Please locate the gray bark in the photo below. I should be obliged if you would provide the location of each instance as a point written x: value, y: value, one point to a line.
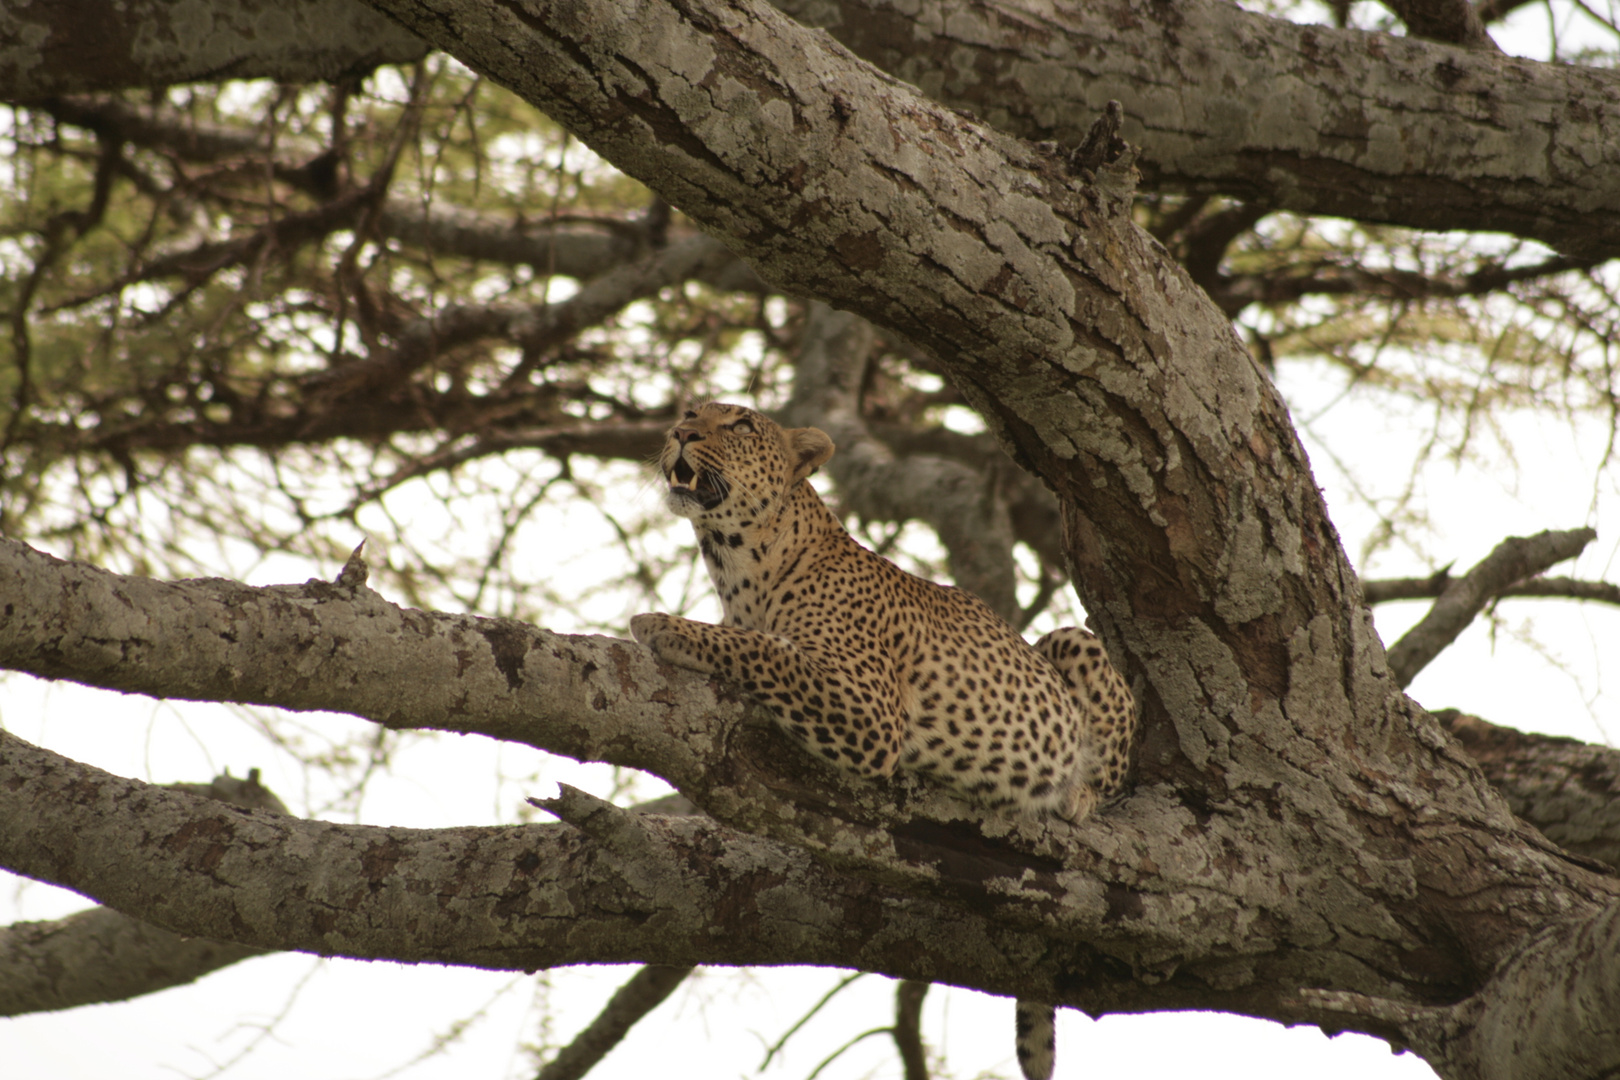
x: 1151, y: 906
x: 1196, y: 532
x: 1569, y: 790
x: 100, y: 955
x: 608, y: 886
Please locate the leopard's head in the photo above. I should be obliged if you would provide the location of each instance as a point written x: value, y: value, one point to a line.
x: 729, y: 461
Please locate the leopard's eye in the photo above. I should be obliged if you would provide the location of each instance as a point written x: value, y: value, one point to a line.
x: 743, y: 427
x: 691, y: 414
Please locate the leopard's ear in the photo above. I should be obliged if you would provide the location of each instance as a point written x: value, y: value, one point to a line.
x: 809, y: 449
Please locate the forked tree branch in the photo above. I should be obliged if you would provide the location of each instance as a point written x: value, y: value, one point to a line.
x: 102, y: 955
x: 1513, y: 560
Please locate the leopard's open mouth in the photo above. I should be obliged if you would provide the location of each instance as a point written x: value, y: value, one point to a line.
x: 703, y: 486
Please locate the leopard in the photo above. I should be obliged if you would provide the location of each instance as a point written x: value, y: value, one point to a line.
x: 872, y: 668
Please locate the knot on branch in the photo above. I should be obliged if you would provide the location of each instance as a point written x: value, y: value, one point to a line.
x: 1102, y: 144
x: 249, y: 794
x: 614, y: 827
x: 355, y: 571
x: 1106, y: 161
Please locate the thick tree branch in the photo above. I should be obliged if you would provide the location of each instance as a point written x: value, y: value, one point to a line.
x: 1550, y: 1010
x: 1400, y: 130
x: 1569, y: 790
x: 1513, y: 560
x: 1195, y: 530
x: 1008, y: 270
x: 87, y: 45
x: 100, y: 955
x: 592, y: 699
x: 1427, y: 143
x: 338, y: 647
x: 625, y: 887
x: 611, y: 886
x: 293, y: 646
x: 1297, y: 821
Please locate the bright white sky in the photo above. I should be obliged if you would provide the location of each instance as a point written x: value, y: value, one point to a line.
x: 300, y: 1016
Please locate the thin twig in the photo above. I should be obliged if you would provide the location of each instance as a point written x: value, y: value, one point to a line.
x: 908, y: 999
x: 1561, y: 588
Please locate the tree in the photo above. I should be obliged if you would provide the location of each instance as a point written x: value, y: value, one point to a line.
x: 1303, y: 841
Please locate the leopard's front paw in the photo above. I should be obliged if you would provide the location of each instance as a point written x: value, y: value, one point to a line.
x: 662, y: 635
x: 644, y: 628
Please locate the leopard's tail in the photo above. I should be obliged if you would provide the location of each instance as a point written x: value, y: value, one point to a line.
x: 1035, y: 1023
x: 1104, y: 700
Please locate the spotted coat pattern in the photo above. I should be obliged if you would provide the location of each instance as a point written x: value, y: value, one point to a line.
x: 870, y: 667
